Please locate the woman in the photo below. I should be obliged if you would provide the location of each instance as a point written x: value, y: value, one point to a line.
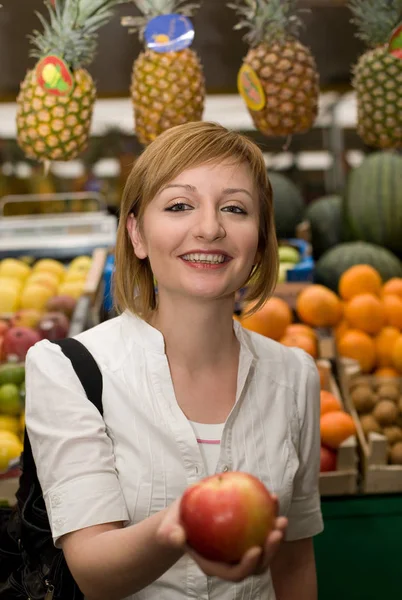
x: 178, y: 372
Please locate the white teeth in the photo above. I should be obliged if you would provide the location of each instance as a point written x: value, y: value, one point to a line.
x: 204, y: 258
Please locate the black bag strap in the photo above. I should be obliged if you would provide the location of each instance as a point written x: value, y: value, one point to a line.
x: 90, y: 376
x: 86, y: 369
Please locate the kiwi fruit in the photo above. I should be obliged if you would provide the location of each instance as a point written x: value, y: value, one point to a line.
x: 359, y: 381
x: 369, y: 424
x: 396, y: 454
x: 385, y: 412
x: 388, y: 391
x: 393, y: 433
x: 363, y: 399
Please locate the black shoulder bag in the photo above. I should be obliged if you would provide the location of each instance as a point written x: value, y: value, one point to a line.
x: 30, y: 565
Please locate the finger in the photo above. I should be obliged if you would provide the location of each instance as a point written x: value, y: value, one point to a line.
x: 276, y: 502
x: 272, y: 545
x: 171, y: 535
x: 247, y: 566
x: 281, y: 524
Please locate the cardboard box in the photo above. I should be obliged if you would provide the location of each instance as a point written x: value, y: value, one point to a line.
x: 378, y: 476
x: 343, y: 481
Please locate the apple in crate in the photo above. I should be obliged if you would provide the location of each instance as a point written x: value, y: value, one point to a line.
x: 226, y: 514
x: 328, y: 459
x: 53, y: 326
x: 18, y: 340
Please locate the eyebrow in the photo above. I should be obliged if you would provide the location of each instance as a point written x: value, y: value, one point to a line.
x: 193, y: 189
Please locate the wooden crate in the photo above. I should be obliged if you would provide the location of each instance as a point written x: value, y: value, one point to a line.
x: 378, y: 476
x: 343, y: 481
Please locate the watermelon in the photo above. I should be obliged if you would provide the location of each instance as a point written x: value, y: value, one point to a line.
x: 288, y: 205
x: 325, y: 218
x: 338, y: 259
x: 373, y: 200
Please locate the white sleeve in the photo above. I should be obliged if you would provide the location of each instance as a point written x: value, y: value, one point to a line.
x: 72, y: 451
x: 305, y: 519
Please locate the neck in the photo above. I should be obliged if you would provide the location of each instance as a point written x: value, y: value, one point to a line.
x: 198, y: 335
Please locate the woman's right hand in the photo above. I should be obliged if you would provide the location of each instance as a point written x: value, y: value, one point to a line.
x: 255, y: 561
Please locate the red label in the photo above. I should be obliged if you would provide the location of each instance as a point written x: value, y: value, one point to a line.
x: 54, y: 76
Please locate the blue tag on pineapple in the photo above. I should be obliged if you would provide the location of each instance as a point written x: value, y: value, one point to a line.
x: 169, y: 33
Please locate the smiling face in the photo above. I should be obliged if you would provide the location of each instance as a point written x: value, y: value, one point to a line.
x: 200, y: 232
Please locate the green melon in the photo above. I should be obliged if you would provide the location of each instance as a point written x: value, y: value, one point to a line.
x: 288, y: 205
x: 373, y: 202
x: 338, y: 259
x: 325, y: 218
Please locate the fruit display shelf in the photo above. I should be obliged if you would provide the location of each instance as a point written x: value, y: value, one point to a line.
x: 343, y: 481
x: 380, y: 441
x: 61, y: 233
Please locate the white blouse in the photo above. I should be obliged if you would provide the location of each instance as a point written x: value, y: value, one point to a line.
x: 144, y: 453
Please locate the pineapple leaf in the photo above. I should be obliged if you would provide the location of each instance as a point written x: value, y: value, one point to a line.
x: 375, y: 19
x: 71, y: 30
x: 267, y: 20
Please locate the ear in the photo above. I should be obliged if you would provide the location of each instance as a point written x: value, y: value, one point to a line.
x: 136, y: 238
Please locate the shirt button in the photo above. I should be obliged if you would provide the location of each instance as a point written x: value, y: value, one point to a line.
x: 197, y: 469
x: 225, y: 469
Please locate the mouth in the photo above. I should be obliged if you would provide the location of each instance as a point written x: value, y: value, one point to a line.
x: 206, y: 258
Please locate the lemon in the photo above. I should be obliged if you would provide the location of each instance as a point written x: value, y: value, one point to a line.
x: 9, y: 449
x: 12, y: 282
x: 9, y: 299
x: 45, y: 278
x: 75, y: 275
x: 71, y: 288
x: 16, y: 269
x: 10, y: 424
x: 81, y: 263
x: 50, y: 265
x: 35, y: 295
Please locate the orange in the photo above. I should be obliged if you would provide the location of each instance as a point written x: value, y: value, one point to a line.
x: 359, y: 346
x: 271, y: 320
x: 365, y: 312
x: 318, y: 306
x: 301, y: 328
x: 335, y: 428
x: 397, y: 354
x: 329, y: 403
x: 300, y: 341
x: 393, y: 286
x: 384, y: 343
x: 359, y: 279
x: 386, y: 372
x: 393, y: 310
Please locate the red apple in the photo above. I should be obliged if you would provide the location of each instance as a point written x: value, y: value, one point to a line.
x: 327, y: 459
x: 4, y: 325
x: 64, y: 304
x: 226, y: 514
x: 18, y: 340
x: 53, y: 326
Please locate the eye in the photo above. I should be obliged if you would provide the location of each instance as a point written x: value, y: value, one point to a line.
x: 234, y: 209
x: 178, y: 207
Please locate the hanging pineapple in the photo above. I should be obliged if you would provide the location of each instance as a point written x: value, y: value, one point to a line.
x: 378, y: 73
x: 167, y: 85
x: 56, y: 98
x: 278, y: 80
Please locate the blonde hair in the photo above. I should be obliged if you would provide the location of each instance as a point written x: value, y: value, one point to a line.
x: 177, y: 149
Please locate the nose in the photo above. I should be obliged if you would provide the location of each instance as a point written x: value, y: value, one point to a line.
x: 209, y: 224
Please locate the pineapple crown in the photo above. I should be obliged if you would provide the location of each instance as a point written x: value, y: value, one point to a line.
x: 71, y: 31
x: 154, y: 8
x: 267, y: 20
x: 375, y: 19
